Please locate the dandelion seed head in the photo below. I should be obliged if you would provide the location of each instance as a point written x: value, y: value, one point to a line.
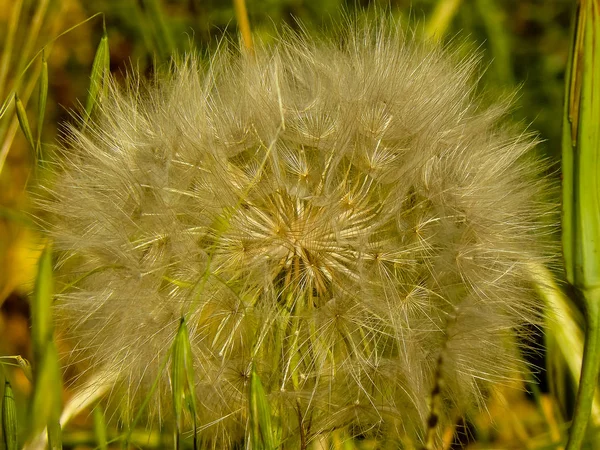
x: 339, y: 215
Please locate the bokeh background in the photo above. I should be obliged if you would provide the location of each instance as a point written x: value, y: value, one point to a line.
x: 523, y: 44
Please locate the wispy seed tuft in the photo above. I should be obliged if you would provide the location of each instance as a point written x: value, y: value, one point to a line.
x: 332, y: 218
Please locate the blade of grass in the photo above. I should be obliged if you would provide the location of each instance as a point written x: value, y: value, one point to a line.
x: 33, y: 31
x: 7, y: 99
x: 52, y: 390
x: 178, y: 380
x: 8, y: 128
x: 261, y: 429
x: 23, y: 121
x: 494, y: 21
x: 164, y: 40
x: 46, y: 399
x: 42, y: 98
x: 9, y: 418
x: 99, y: 75
x: 94, y: 389
x: 144, y: 28
x: 140, y: 439
x: 569, y: 142
x: 7, y: 52
x: 441, y: 17
x: 182, y: 378
x: 562, y: 326
x: 241, y: 15
x: 581, y: 198
x: 41, y: 319
x: 45, y: 406
x: 100, y: 428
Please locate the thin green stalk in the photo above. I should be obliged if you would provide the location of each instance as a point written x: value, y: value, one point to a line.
x: 589, y: 371
x: 7, y: 102
x: 182, y: 382
x: 100, y: 428
x: 7, y: 52
x: 99, y: 75
x: 164, y: 39
x: 8, y: 130
x: 581, y: 197
x: 442, y: 16
x: 32, y: 34
x: 46, y: 399
x: 241, y: 15
x: 23, y: 121
x: 33, y: 29
x: 9, y: 418
x: 42, y: 98
x: 499, y: 40
x: 564, y: 335
x: 144, y: 27
x: 142, y: 438
x: 261, y: 429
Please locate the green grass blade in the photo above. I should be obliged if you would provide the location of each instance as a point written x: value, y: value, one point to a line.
x: 46, y: 402
x: 54, y: 430
x: 569, y: 141
x: 261, y: 429
x: 589, y: 373
x: 42, y: 98
x: 165, y: 41
x: 33, y: 31
x: 46, y: 399
x: 4, y: 107
x: 178, y: 380
x: 441, y: 18
x: 42, y: 402
x: 9, y: 418
x: 41, y: 316
x: 563, y: 328
x: 100, y: 428
x: 7, y: 51
x: 581, y: 199
x: 241, y: 15
x: 182, y: 376
x: 144, y: 27
x: 99, y: 75
x: 499, y: 40
x: 587, y: 156
x: 23, y: 121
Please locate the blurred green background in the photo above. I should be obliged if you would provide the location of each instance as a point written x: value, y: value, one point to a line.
x: 523, y: 46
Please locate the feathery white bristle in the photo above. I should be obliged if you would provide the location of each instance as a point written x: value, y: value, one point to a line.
x: 340, y: 215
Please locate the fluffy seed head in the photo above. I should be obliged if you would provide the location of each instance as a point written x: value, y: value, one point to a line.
x: 343, y: 215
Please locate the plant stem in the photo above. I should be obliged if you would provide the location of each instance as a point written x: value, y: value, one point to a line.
x: 589, y: 371
x: 241, y: 14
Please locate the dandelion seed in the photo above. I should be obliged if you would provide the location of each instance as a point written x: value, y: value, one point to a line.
x: 335, y: 218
